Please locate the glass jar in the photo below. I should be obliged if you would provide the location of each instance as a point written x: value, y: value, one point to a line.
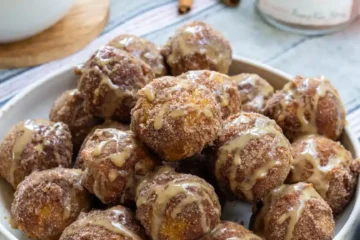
x: 309, y: 17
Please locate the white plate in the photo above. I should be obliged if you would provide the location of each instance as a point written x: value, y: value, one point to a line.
x: 36, y: 101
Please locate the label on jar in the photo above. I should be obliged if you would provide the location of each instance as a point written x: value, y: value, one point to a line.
x: 308, y: 12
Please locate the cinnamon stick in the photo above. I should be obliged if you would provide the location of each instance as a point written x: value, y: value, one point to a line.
x: 185, y: 6
x: 231, y: 3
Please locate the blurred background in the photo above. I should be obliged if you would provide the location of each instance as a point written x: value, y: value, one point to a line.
x: 336, y: 55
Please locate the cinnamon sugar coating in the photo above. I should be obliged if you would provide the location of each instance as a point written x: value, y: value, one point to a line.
x: 110, y: 80
x: 252, y: 156
x: 79, y: 162
x: 197, y: 46
x: 254, y: 91
x: 172, y: 205
x: 34, y: 145
x: 142, y: 49
x: 176, y: 117
x: 69, y: 108
x: 116, y: 223
x: 328, y: 166
x: 46, y: 202
x: 114, y: 162
x: 307, y: 106
x: 293, y: 212
x: 230, y: 230
x: 222, y: 86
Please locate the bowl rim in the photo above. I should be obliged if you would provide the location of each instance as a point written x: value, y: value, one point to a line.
x: 342, y: 234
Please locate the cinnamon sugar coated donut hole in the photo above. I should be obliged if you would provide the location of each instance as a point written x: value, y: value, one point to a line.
x: 176, y: 117
x: 230, y: 231
x: 46, y: 202
x: 328, y: 166
x: 307, y: 106
x: 116, y: 223
x: 69, y: 108
x: 114, y: 162
x: 252, y: 156
x: 142, y: 49
x: 79, y: 163
x: 34, y: 145
x: 222, y: 86
x: 294, y: 212
x: 254, y: 91
x: 172, y: 205
x: 110, y: 80
x: 197, y: 46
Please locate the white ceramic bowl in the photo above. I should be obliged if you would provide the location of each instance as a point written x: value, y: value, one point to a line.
x: 23, y: 18
x: 36, y: 101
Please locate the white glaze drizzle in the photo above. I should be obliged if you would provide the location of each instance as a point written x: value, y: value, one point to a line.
x: 193, y: 39
x: 292, y: 214
x: 27, y: 131
x: 235, y: 146
x: 115, y: 223
x: 321, y: 175
x: 165, y: 102
x: 166, y: 192
x: 259, y: 91
x: 118, y: 157
x: 306, y: 111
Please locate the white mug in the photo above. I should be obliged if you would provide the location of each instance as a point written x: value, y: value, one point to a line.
x: 20, y: 19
